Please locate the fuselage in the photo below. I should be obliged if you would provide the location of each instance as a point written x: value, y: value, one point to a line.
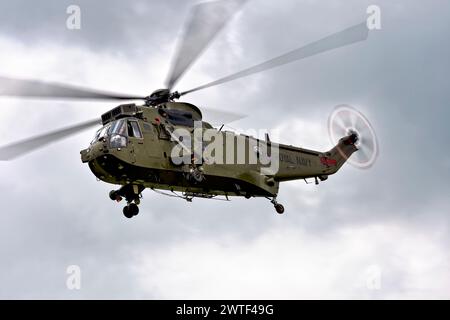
x: 145, y: 146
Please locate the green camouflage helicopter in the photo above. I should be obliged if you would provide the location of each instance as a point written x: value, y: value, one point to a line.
x: 161, y: 144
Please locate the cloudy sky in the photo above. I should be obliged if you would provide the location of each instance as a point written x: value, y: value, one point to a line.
x: 378, y: 233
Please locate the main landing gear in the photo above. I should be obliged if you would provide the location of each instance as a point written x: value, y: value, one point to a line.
x: 132, y: 194
x: 278, y: 206
x: 130, y: 210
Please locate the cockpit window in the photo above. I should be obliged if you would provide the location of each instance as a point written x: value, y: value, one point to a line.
x: 96, y: 136
x: 118, y: 127
x: 134, y: 130
x: 102, y: 132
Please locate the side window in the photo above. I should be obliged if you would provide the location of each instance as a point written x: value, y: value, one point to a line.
x: 134, y: 130
x: 178, y: 117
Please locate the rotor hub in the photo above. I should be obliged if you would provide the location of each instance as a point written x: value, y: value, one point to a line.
x: 160, y: 96
x: 353, y: 136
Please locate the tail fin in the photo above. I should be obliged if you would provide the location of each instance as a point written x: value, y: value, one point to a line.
x: 341, y: 152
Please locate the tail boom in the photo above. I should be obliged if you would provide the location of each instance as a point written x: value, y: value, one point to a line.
x: 297, y: 163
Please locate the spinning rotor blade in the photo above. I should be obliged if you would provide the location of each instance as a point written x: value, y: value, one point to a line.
x: 39, y: 89
x: 345, y: 120
x: 343, y: 38
x: 205, y: 21
x: 219, y: 117
x: 22, y: 147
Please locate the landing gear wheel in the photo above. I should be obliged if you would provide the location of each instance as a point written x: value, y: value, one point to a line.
x: 113, y: 195
x: 279, y: 208
x: 133, y: 208
x: 197, y: 175
x: 127, y: 212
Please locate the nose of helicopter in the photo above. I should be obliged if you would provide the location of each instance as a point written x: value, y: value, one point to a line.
x: 85, y: 155
x: 95, y: 150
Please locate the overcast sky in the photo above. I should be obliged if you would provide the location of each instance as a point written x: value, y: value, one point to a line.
x: 390, y: 222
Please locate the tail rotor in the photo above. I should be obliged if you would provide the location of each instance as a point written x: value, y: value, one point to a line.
x: 347, y: 121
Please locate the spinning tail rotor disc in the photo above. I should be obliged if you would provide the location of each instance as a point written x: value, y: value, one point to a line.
x: 346, y: 120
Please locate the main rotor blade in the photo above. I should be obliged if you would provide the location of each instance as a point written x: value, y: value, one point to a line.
x: 23, y: 147
x: 219, y: 117
x: 204, y: 23
x: 348, y: 36
x: 40, y: 89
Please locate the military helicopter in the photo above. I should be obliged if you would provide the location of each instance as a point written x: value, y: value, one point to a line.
x: 134, y: 147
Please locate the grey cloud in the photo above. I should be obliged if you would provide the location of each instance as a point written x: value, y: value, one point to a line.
x: 105, y: 25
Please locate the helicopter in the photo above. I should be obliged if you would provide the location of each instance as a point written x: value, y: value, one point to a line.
x: 160, y: 144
